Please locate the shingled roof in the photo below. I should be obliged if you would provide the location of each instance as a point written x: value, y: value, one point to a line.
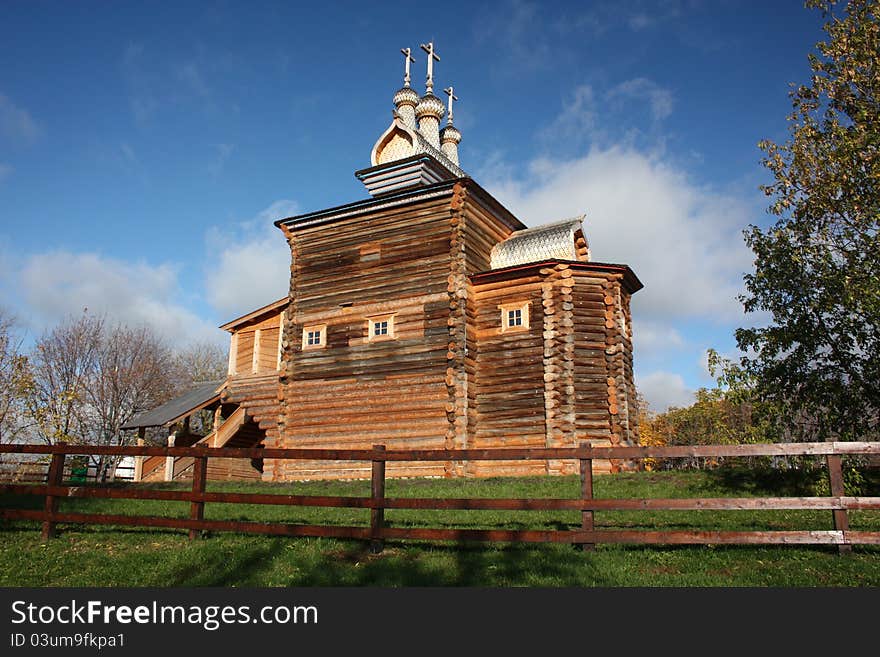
x: 201, y: 395
x: 554, y: 241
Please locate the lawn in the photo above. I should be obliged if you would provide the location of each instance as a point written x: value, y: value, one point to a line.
x: 109, y: 556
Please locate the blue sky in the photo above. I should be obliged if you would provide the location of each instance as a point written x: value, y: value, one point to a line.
x: 146, y: 148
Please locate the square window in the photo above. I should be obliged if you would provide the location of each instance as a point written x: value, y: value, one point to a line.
x: 314, y: 337
x: 514, y: 316
x: 380, y: 327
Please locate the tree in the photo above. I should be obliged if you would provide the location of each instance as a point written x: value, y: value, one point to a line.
x: 201, y: 361
x: 87, y: 379
x: 816, y: 267
x: 60, y: 367
x: 131, y: 372
x: 13, y: 377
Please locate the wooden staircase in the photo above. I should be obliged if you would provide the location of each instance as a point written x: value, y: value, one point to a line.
x: 258, y: 396
x: 221, y: 436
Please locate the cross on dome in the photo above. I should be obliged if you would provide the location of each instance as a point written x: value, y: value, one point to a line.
x: 429, y: 48
x: 407, y: 58
x: 449, y: 91
x: 415, y: 131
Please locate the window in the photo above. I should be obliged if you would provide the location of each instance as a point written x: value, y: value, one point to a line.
x: 380, y: 327
x: 314, y: 337
x: 514, y: 316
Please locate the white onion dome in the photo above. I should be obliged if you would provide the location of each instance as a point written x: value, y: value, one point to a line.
x: 450, y: 134
x: 406, y: 96
x: 430, y: 105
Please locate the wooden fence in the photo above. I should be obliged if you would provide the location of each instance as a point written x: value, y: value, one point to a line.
x: 36, y: 470
x: 838, y: 503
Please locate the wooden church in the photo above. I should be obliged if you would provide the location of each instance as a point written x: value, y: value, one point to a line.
x: 424, y: 316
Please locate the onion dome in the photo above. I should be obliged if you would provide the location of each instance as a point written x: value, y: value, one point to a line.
x: 406, y: 96
x: 450, y: 134
x: 430, y: 105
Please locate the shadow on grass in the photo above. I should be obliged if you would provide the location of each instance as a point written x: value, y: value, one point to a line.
x: 807, y: 481
x: 765, y: 480
x: 451, y: 564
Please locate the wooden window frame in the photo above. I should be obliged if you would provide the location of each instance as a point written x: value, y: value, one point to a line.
x: 233, y: 354
x: 255, y: 359
x: 373, y: 319
x: 506, y: 308
x: 321, y: 329
x: 280, y: 340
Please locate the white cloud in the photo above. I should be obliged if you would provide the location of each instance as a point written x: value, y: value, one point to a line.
x: 16, y: 122
x: 221, y: 156
x: 517, y: 27
x: 656, y: 337
x: 191, y: 75
x: 639, y: 21
x: 577, y: 119
x: 56, y: 284
x: 595, y: 116
x: 664, y: 389
x: 682, y: 240
x: 252, y: 262
x: 5, y: 171
x: 659, y: 99
x: 156, y: 80
x: 128, y: 153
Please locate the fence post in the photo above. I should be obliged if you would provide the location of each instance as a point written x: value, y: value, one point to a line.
x: 197, y: 509
x: 377, y: 512
x: 587, y: 494
x: 835, y: 478
x: 169, y: 460
x: 54, y: 478
x: 139, y: 459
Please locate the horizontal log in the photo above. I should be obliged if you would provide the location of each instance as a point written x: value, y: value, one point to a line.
x: 500, y: 504
x: 671, y: 504
x: 683, y: 451
x: 131, y: 493
x: 636, y: 537
x: 249, y: 527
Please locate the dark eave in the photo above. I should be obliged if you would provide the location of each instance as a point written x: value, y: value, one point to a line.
x: 396, y: 164
x: 366, y: 205
x: 255, y: 314
x: 630, y: 280
x: 404, y: 198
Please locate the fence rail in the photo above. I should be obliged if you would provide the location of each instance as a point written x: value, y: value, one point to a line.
x: 35, y: 471
x: 378, y: 531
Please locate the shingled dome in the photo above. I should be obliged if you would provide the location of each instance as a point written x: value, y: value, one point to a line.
x: 556, y: 241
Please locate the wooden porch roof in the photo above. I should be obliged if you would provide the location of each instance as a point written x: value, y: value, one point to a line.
x: 174, y: 410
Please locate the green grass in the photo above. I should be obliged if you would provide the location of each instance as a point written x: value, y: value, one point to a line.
x: 89, y: 555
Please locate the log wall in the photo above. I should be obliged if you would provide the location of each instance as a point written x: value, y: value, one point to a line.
x: 449, y: 377
x: 605, y: 399
x: 261, y: 335
x: 355, y: 391
x: 510, y: 375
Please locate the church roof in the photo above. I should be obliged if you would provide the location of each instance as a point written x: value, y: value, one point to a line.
x: 554, y: 241
x: 402, y: 198
x: 255, y: 314
x: 631, y: 282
